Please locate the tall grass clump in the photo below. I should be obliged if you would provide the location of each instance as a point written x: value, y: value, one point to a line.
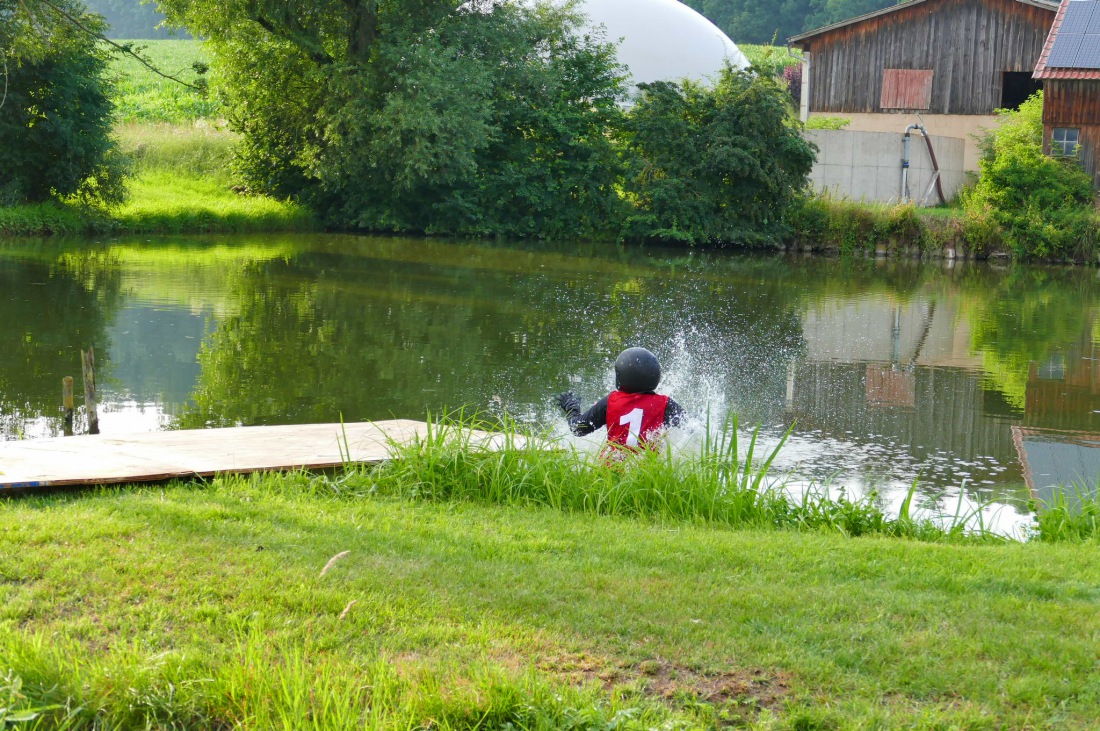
x: 1073, y: 514
x: 719, y: 485
x: 837, y: 225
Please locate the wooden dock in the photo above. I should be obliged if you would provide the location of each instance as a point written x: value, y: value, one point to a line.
x: 156, y: 456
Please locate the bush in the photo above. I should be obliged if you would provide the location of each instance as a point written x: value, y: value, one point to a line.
x: 55, y: 124
x: 1043, y: 205
x: 792, y: 75
x: 713, y: 166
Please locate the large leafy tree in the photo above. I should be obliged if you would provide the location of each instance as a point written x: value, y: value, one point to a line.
x: 55, y: 111
x: 429, y: 115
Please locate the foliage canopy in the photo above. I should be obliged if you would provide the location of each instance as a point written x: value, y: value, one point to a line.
x: 55, y: 118
x: 713, y: 166
x: 487, y: 118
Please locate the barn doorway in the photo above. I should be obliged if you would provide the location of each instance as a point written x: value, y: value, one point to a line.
x: 1016, y: 87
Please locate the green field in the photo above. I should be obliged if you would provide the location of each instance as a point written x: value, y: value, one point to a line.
x: 144, y: 96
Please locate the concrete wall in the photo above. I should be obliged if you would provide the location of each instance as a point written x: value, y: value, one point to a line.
x: 964, y: 126
x: 867, y: 165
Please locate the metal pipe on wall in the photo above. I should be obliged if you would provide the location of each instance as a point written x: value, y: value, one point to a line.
x: 936, y: 180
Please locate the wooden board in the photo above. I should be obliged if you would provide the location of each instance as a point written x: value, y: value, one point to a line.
x: 154, y: 456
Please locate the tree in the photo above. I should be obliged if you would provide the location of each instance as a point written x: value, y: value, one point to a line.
x: 714, y: 166
x: 55, y: 112
x: 424, y: 115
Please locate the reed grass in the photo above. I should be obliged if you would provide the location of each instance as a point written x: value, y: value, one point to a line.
x: 1072, y: 515
x: 717, y: 486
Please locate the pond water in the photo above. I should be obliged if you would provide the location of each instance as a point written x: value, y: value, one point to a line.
x: 983, y: 382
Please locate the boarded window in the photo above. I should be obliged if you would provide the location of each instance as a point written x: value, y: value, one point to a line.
x: 906, y: 89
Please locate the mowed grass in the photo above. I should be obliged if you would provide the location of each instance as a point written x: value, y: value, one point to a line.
x: 141, y: 95
x: 210, y: 606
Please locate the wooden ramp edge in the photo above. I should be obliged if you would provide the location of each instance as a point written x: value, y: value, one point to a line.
x: 157, y: 456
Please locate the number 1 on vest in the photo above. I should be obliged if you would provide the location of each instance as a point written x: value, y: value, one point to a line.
x: 633, y: 422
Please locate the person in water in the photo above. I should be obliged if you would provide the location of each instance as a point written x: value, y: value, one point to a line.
x: 633, y: 413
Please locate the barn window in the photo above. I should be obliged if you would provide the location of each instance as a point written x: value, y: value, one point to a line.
x: 1016, y: 87
x: 906, y: 89
x: 1064, y: 141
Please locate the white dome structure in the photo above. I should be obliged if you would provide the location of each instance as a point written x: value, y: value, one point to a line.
x: 663, y: 40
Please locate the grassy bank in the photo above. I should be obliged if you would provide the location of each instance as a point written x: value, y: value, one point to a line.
x: 460, y: 588
x: 212, y: 607
x: 181, y: 184
x: 839, y: 226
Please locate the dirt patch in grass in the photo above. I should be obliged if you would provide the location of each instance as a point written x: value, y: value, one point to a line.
x: 675, y: 683
x: 754, y: 687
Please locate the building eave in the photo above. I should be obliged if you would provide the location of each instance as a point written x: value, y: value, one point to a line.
x: 796, y: 40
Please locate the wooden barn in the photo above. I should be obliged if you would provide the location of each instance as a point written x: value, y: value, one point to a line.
x: 953, y: 62
x: 1069, y: 68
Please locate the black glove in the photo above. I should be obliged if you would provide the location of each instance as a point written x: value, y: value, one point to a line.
x: 568, y: 403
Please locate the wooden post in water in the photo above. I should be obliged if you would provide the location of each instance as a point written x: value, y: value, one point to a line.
x: 88, y: 362
x: 67, y: 404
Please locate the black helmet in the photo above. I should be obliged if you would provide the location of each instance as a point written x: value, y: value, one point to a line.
x: 637, y: 371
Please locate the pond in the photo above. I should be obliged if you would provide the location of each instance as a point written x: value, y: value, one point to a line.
x: 982, y: 383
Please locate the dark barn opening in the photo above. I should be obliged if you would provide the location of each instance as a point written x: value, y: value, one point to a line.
x: 1017, y: 86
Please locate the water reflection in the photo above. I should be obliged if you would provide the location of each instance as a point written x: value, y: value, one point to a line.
x: 889, y: 370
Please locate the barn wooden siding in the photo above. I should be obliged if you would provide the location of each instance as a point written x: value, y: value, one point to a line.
x: 1075, y: 103
x: 968, y: 44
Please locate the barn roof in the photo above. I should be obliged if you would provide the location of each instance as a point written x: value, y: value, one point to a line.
x: 1068, y: 64
x: 1045, y: 4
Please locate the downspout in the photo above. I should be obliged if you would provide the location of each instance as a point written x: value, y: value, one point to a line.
x: 804, y: 101
x: 905, y: 164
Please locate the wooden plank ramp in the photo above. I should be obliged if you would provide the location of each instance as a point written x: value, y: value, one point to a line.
x: 156, y: 456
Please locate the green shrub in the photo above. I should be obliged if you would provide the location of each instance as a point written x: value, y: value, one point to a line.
x: 1042, y: 204
x: 713, y: 166
x: 55, y: 123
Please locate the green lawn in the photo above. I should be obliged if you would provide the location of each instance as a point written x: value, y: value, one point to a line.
x: 206, y: 607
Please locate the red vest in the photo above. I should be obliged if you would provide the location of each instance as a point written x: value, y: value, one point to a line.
x: 633, y: 417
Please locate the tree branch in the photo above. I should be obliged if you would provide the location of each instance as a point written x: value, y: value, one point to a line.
x: 4, y: 98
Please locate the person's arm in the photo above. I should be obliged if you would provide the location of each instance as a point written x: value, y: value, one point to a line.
x: 586, y: 423
x: 674, y: 414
